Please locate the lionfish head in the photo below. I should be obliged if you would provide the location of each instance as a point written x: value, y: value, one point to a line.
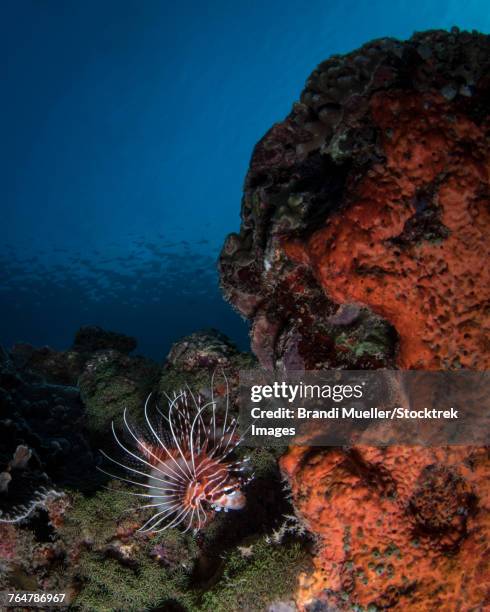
x: 183, y: 463
x: 227, y: 495
x: 230, y: 497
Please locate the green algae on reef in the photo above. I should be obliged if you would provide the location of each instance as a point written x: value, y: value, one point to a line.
x: 253, y: 581
x: 117, y: 568
x: 112, y: 381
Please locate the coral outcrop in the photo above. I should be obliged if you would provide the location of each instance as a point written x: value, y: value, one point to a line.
x: 112, y: 381
x: 91, y: 338
x: 373, y: 193
x: 65, y: 367
x: 363, y: 244
x: 201, y: 350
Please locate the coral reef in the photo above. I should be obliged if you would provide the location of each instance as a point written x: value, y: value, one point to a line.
x: 396, y: 528
x: 91, y: 338
x: 204, y: 356
x: 84, y: 538
x: 254, y: 576
x: 117, y: 567
x: 55, y: 367
x: 364, y: 244
x: 112, y: 381
x: 65, y: 367
x: 373, y: 193
x: 43, y: 447
x: 204, y: 349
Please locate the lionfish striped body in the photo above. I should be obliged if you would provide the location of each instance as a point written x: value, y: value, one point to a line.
x: 183, y: 463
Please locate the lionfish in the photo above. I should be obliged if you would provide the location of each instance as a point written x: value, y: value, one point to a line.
x: 183, y: 462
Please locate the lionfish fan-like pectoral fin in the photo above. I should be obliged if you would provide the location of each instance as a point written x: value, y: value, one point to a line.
x: 132, y: 482
x: 166, y: 481
x: 157, y: 518
x: 177, y: 439
x: 184, y: 475
x: 174, y: 523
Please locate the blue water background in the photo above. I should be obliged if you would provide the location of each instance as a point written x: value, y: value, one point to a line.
x: 126, y: 131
